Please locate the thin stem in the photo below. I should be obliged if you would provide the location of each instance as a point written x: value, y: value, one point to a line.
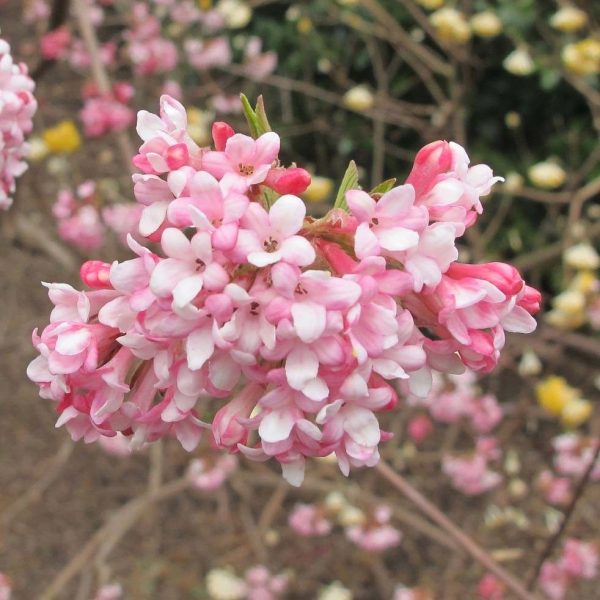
x: 429, y: 509
x: 568, y: 514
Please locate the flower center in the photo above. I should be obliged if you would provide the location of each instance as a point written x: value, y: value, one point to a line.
x: 254, y: 306
x: 200, y: 264
x: 300, y: 290
x: 374, y: 221
x: 270, y: 245
x: 246, y: 169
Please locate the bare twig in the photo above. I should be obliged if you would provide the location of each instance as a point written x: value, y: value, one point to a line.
x: 567, y: 515
x: 107, y: 536
x: 478, y: 553
x: 35, y: 492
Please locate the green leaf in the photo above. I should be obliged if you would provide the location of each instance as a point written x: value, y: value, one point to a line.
x: 384, y: 186
x: 261, y: 115
x: 349, y: 182
x: 251, y: 117
x: 256, y: 117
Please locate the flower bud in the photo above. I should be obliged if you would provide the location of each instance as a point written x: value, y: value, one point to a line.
x: 582, y: 256
x: 359, y: 98
x: 576, y: 412
x: 227, y: 430
x: 451, y: 26
x: 486, y: 24
x: 519, y: 62
x: 569, y: 19
x: 96, y: 274
x: 221, y: 132
x: 547, y: 175
x: 293, y: 180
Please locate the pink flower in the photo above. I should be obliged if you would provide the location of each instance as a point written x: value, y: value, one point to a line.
x: 391, y: 224
x: 308, y: 520
x: 267, y: 238
x: 419, y: 428
x: 103, y: 115
x: 17, y: 107
x: 190, y: 267
x: 203, y: 55
x: 491, y: 588
x: 375, y: 536
x: 249, y: 160
x: 553, y: 580
x: 111, y: 591
x: 54, y: 44
x: 579, y: 559
x: 470, y: 475
x: 206, y: 477
x: 5, y: 587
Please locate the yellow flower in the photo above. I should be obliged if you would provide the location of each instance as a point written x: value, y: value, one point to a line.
x: 576, y: 412
x: 451, y: 25
x: 205, y: 4
x: 570, y: 302
x: 582, y: 58
x: 564, y: 320
x: 519, y: 62
x: 319, y: 189
x: 199, y: 126
x: 63, y: 137
x: 37, y: 149
x: 431, y: 4
x: 486, y: 24
x: 237, y: 14
x: 582, y: 256
x: 512, y: 119
x: 585, y: 282
x: 304, y: 25
x: 359, y: 98
x: 547, y: 175
x: 569, y: 19
x: 513, y: 182
x: 553, y: 394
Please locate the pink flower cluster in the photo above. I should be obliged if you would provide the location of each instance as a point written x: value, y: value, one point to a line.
x: 78, y: 219
x: 209, y: 475
x: 17, y: 107
x: 281, y: 334
x: 471, y: 474
x: 83, y: 225
x: 103, y: 114
x: 376, y: 534
x: 579, y: 560
x: 456, y: 397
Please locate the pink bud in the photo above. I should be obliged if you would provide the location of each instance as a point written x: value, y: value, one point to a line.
x: 490, y: 588
x: 530, y: 300
x: 96, y: 274
x: 288, y: 181
x: 227, y: 430
x: 341, y: 262
x: 431, y: 161
x: 419, y: 428
x: 221, y: 132
x: 177, y: 156
x: 505, y: 277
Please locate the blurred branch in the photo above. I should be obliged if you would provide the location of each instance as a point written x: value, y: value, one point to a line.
x: 99, y: 72
x: 51, y: 471
x: 111, y: 533
x: 400, y: 118
x: 478, y: 553
x: 58, y: 15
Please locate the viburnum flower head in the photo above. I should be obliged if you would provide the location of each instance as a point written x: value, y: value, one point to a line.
x: 274, y: 333
x: 17, y: 107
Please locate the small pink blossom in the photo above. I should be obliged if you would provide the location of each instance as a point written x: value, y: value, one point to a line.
x: 308, y: 520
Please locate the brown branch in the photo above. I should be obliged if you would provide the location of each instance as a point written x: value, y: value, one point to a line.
x: 567, y: 515
x: 58, y: 15
x: 478, y: 553
x: 110, y: 533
